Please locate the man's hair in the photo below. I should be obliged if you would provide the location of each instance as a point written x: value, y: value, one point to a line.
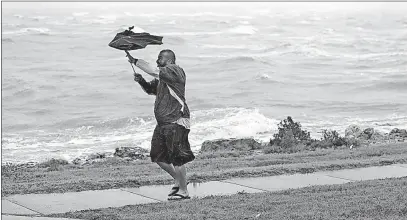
x: 171, y: 53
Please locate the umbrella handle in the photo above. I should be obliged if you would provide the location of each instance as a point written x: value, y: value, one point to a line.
x: 128, y: 54
x: 132, y: 67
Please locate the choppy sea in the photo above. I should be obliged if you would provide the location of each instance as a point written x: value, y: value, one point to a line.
x: 66, y: 94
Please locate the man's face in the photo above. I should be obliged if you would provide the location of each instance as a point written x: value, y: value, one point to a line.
x: 162, y: 60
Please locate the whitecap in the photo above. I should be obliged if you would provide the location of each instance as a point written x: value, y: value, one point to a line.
x: 80, y: 14
x: 40, y: 31
x: 229, y: 123
x: 263, y: 76
x: 244, y: 29
x: 191, y: 33
x: 241, y: 47
x: 58, y: 23
x: 38, y: 18
x: 129, y: 14
x: 244, y: 22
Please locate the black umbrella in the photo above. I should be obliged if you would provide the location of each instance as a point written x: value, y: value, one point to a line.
x: 128, y: 40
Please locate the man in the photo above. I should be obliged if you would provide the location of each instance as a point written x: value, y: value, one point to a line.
x: 170, y: 147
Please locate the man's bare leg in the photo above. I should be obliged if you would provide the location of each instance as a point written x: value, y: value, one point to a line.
x: 181, y: 172
x: 169, y: 168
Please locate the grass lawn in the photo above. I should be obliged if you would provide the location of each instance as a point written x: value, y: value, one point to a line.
x: 114, y: 173
x: 377, y: 199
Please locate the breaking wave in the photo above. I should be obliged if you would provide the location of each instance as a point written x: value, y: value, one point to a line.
x: 34, y: 31
x: 106, y: 135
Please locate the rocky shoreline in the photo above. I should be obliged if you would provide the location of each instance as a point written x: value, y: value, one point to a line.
x: 366, y: 136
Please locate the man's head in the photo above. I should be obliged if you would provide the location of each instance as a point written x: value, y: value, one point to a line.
x: 165, y: 57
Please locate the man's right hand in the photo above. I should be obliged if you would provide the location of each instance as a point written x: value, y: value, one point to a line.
x: 137, y: 77
x: 131, y: 58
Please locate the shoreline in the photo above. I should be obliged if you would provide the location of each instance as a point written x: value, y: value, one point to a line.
x: 352, y: 130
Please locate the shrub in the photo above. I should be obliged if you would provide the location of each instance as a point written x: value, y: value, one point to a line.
x: 290, y: 132
x: 53, y: 163
x: 333, y: 138
x: 291, y: 138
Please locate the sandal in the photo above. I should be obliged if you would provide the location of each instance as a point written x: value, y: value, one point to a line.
x: 174, y: 190
x: 178, y: 197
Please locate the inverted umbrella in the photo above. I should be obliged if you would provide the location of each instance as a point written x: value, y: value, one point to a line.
x: 128, y: 40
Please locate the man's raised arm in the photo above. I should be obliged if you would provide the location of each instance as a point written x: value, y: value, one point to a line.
x: 146, y: 67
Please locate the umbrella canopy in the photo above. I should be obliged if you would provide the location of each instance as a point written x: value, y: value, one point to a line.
x: 128, y: 40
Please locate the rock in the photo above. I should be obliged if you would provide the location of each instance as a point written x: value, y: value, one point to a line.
x: 366, y: 134
x: 369, y: 132
x: 245, y: 144
x: 131, y: 152
x: 92, y: 158
x: 399, y: 132
x: 398, y: 135
x: 96, y: 156
x: 353, y: 131
x: 77, y: 161
x: 378, y: 137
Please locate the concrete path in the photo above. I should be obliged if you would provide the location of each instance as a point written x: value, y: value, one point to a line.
x: 32, y: 206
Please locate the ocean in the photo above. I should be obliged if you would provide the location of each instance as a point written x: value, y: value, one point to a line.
x: 66, y: 94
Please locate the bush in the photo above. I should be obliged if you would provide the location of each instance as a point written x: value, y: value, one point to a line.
x: 290, y: 132
x: 53, y: 163
x: 289, y: 139
x: 333, y: 138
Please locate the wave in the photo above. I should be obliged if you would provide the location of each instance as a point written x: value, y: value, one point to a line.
x: 263, y: 76
x: 35, y: 31
x: 190, y: 33
x: 128, y: 14
x: 80, y: 14
x: 240, y: 47
x: 7, y: 40
x: 210, y: 124
x: 102, y: 19
x: 15, y: 25
x: 243, y: 29
x: 39, y: 18
x: 124, y: 27
x: 244, y: 22
x: 106, y: 135
x: 399, y: 85
x: 202, y: 14
x: 58, y: 23
x: 243, y: 61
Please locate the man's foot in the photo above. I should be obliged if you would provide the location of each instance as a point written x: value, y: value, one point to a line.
x: 174, y: 190
x: 179, y: 196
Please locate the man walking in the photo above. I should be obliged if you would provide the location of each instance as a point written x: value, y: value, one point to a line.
x: 170, y: 147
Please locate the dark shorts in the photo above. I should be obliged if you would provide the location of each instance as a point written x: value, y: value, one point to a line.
x: 170, y: 145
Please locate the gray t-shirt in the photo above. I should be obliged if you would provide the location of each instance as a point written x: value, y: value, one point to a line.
x: 168, y: 88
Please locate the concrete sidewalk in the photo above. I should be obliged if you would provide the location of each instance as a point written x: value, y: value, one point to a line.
x: 32, y: 205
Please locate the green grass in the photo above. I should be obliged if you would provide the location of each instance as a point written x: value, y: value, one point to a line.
x: 115, y: 173
x: 378, y: 199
